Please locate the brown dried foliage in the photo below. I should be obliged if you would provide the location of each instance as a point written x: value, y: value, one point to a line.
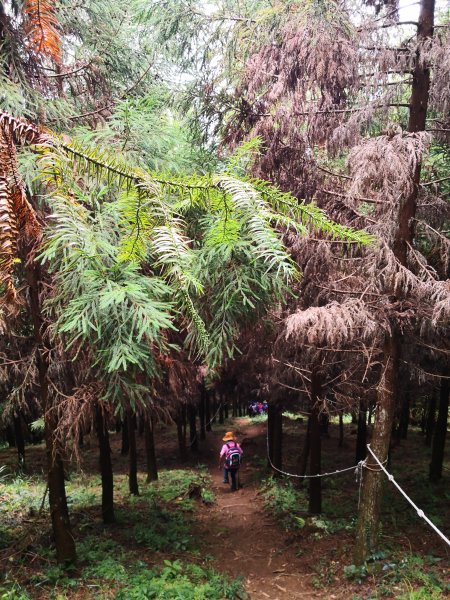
x: 41, y: 28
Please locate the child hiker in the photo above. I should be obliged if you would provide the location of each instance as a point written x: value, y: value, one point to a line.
x: 231, y: 453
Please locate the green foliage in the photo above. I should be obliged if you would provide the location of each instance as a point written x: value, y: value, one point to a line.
x: 163, y: 530
x: 402, y: 572
x: 285, y: 502
x: 136, y: 254
x: 178, y: 580
x: 13, y: 591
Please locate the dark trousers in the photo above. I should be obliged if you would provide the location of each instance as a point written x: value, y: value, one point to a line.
x: 232, y: 472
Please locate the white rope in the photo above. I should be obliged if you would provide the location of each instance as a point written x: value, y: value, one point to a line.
x: 356, y: 468
x: 418, y: 510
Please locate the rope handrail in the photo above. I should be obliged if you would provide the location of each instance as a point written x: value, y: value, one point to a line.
x: 355, y: 468
x: 418, y: 510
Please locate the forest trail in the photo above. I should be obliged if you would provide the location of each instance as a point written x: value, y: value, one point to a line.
x: 242, y: 537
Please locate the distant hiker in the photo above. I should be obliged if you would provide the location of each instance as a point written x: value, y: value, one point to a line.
x: 231, y: 453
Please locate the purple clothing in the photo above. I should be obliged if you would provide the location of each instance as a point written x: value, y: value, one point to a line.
x: 225, y: 448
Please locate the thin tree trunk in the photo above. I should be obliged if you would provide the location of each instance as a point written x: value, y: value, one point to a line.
x: 20, y: 442
x: 315, y: 483
x: 105, y: 468
x: 64, y: 541
x: 270, y: 433
x: 431, y: 419
x: 152, y: 469
x: 404, y: 416
x: 181, y: 438
x: 277, y: 438
x: 304, y: 454
x: 371, y: 487
x: 193, y: 438
x: 361, y: 437
x: 207, y: 408
x: 125, y: 437
x: 437, y: 451
x: 201, y: 411
x: 132, y: 464
x: 234, y: 412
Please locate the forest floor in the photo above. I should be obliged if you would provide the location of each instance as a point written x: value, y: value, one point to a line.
x: 260, y: 537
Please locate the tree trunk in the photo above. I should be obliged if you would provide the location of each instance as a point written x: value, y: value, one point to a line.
x: 277, y: 446
x: 431, y: 419
x: 437, y: 451
x: 64, y: 541
x: 132, y: 464
x: 271, y: 409
x: 371, y: 486
x: 404, y: 416
x: 201, y: 411
x: 369, y: 510
x: 105, y: 468
x: 234, y: 412
x: 181, y: 438
x: 125, y: 437
x: 20, y: 443
x: 361, y: 437
x: 315, y: 483
x: 152, y: 469
x: 207, y: 409
x: 304, y: 454
x: 193, y: 439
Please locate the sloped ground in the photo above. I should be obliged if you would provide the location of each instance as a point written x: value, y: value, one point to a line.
x: 237, y: 534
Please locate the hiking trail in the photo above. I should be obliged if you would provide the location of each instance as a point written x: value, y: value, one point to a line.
x: 239, y: 533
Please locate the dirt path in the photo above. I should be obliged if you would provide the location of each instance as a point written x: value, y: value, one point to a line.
x: 243, y: 539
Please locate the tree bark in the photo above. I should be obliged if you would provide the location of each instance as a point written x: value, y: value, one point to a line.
x: 152, y: 469
x: 105, y: 468
x: 132, y: 464
x: 64, y: 541
x: 304, y: 454
x: 202, y: 411
x: 431, y: 418
x: 207, y: 408
x: 361, y: 437
x: 180, y: 435
x: 277, y: 433
x: 404, y: 416
x: 193, y: 438
x: 125, y: 437
x: 437, y: 451
x: 315, y: 483
x: 371, y: 486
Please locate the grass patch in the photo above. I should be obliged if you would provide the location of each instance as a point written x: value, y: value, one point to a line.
x: 180, y: 581
x: 285, y: 501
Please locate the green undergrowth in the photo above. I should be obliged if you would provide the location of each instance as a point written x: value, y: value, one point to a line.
x: 113, y: 560
x: 395, y: 574
x: 285, y: 502
x: 402, y: 576
x: 107, y: 571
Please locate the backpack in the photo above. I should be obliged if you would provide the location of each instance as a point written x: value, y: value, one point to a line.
x: 233, y: 457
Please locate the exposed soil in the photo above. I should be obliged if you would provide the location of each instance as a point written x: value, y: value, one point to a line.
x: 243, y: 539
x: 238, y: 534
